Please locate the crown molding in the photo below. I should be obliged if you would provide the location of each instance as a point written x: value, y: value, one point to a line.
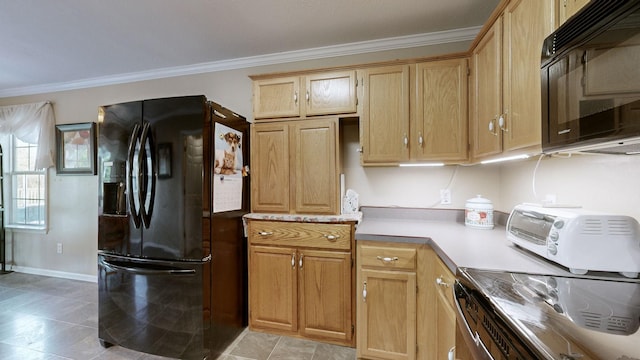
x: 394, y: 43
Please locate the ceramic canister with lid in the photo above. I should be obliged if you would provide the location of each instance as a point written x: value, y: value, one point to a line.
x: 478, y: 213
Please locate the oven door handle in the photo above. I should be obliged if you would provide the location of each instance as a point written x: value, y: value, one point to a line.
x: 480, y: 351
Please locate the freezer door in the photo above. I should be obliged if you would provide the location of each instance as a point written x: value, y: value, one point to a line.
x: 152, y: 306
x: 172, y: 197
x: 119, y: 220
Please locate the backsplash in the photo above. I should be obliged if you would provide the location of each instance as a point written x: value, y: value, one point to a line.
x: 595, y: 182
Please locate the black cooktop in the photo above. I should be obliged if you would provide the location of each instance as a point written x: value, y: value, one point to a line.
x: 565, y: 317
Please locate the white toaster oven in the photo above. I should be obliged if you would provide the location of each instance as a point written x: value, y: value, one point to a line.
x: 578, y: 239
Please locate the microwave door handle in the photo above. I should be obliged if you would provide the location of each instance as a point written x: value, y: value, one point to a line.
x: 133, y: 141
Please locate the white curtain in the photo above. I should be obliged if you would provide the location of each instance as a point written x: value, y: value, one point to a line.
x: 33, y: 124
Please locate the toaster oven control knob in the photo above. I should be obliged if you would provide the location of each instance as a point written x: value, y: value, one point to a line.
x: 553, y: 236
x: 558, y: 224
x: 553, y: 249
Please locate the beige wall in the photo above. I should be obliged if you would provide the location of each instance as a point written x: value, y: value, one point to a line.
x: 73, y: 199
x: 598, y: 182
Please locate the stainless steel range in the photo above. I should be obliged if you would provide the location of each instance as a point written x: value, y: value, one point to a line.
x: 531, y: 316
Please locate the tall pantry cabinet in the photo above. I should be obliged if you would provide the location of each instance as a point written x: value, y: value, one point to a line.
x: 301, y: 254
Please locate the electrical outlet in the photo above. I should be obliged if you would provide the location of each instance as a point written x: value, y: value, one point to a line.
x: 445, y: 197
x: 59, y: 248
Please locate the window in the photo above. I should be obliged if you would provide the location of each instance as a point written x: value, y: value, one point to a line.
x: 28, y: 206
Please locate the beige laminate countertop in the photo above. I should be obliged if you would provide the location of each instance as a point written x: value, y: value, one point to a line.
x: 456, y: 244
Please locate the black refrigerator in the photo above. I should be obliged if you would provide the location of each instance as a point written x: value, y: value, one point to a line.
x: 173, y: 188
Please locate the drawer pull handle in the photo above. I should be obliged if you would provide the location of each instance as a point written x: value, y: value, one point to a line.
x: 300, y: 261
x: 331, y: 237
x: 265, y: 233
x: 364, y: 291
x: 387, y: 260
x: 293, y: 260
x: 441, y: 282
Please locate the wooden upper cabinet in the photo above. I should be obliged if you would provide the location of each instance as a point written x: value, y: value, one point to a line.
x: 270, y: 167
x: 330, y: 93
x: 567, y: 8
x: 531, y: 20
x: 276, y: 98
x: 296, y: 167
x: 315, y: 170
x: 486, y: 94
x: 384, y: 124
x: 506, y: 109
x: 323, y: 93
x: 441, y: 111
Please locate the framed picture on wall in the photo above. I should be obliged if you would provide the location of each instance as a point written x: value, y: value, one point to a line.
x: 76, y: 149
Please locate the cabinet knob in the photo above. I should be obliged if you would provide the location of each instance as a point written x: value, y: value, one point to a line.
x: 387, y: 260
x: 451, y: 355
x: 492, y: 126
x: 502, y: 122
x: 420, y: 138
x: 405, y: 140
x: 441, y: 282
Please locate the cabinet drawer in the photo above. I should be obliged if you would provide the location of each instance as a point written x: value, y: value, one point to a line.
x: 395, y: 258
x: 444, y: 281
x: 313, y: 235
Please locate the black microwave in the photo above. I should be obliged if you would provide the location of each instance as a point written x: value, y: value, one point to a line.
x: 591, y: 81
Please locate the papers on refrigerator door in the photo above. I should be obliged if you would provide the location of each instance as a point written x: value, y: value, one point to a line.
x: 227, y: 171
x: 227, y: 193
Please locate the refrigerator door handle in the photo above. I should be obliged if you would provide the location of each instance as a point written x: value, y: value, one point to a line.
x: 132, y: 174
x: 148, y: 271
x: 147, y: 165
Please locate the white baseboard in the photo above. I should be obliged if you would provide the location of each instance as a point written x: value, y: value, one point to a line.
x: 54, y: 273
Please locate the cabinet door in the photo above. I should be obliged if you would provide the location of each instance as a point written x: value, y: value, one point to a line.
x: 325, y: 295
x: 270, y: 167
x: 486, y: 104
x: 384, y: 125
x: 275, y: 98
x: 331, y: 93
x: 567, y: 8
x: 273, y: 296
x: 445, y: 314
x: 315, y: 175
x: 441, y: 111
x: 522, y: 109
x: 445, y: 328
x: 386, y: 314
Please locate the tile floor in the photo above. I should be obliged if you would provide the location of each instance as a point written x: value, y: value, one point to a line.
x: 47, y: 318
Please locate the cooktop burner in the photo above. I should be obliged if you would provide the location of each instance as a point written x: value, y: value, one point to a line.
x: 565, y: 317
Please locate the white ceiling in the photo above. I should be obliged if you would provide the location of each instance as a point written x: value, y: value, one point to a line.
x: 48, y: 45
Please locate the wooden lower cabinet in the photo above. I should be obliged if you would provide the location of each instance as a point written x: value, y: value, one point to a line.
x: 301, y: 280
x: 273, y: 303
x: 387, y: 321
x: 441, y: 280
x: 389, y: 304
x: 405, y: 302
